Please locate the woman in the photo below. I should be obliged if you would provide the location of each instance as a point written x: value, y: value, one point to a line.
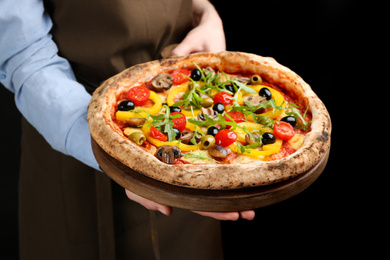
x: 53, y: 55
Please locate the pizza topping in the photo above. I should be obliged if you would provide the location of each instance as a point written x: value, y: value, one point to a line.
x: 157, y: 134
x: 196, y: 74
x: 299, y: 117
x: 256, y: 80
x: 135, y: 122
x: 225, y: 137
x: 174, y: 109
x: 207, y: 141
x: 139, y: 95
x: 254, y: 100
x: 126, y: 105
x: 235, y: 116
x: 219, y: 107
x: 209, y: 72
x: 268, y: 138
x: 253, y: 138
x: 212, y: 130
x: 265, y: 92
x: 219, y: 151
x: 244, y: 80
x: 162, y: 82
x: 206, y: 101
x: 230, y: 87
x: 283, y: 131
x: 222, y: 97
x: 179, y: 120
x: 209, y: 112
x: 168, y: 153
x: 180, y: 76
x: 187, y: 137
x: 177, y: 133
x: 137, y: 137
x: 289, y: 119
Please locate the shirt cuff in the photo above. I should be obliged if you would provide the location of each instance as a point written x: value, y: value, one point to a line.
x: 78, y: 143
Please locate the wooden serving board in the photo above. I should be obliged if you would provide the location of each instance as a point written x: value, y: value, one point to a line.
x: 202, y: 199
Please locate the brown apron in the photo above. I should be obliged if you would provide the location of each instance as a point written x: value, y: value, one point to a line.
x: 68, y: 210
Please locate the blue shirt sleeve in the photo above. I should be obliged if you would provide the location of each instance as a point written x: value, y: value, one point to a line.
x: 46, y: 91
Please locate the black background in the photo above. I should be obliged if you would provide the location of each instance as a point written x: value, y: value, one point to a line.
x: 344, y: 213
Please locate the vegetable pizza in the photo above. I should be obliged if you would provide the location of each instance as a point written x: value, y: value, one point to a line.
x: 211, y: 121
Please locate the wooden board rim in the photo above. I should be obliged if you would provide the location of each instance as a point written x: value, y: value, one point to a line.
x: 202, y: 199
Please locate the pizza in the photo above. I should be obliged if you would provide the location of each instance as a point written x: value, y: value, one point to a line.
x: 211, y: 121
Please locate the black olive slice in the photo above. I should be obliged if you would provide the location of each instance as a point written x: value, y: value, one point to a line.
x: 289, y: 119
x: 268, y: 138
x: 196, y: 74
x: 265, y: 92
x: 126, y: 105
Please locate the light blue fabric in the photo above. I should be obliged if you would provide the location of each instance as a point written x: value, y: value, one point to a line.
x: 46, y: 91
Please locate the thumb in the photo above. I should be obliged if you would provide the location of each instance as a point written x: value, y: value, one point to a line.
x: 187, y: 46
x: 181, y: 50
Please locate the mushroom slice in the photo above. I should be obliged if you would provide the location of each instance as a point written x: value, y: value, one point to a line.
x: 135, y: 122
x: 254, y: 100
x: 219, y: 151
x: 253, y: 138
x: 168, y: 153
x: 162, y: 82
x: 244, y: 80
x: 207, y: 111
x: 187, y: 136
x: 208, y: 70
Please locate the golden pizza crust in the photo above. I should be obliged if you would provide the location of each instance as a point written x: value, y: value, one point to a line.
x: 210, y: 176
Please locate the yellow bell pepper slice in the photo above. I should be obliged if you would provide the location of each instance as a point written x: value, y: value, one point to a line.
x: 257, y: 154
x: 174, y: 92
x: 158, y: 143
x: 250, y: 126
x: 124, y: 115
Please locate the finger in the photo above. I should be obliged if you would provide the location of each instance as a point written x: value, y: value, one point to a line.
x: 151, y: 205
x: 220, y: 215
x: 184, y: 49
x: 248, y: 214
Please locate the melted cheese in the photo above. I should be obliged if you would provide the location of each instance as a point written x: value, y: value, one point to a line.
x: 202, y: 153
x: 297, y: 141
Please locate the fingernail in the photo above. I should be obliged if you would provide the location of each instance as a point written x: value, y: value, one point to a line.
x: 163, y: 211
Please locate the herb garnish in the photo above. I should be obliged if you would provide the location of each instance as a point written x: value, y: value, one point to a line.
x: 199, y: 156
x: 163, y: 122
x: 297, y: 114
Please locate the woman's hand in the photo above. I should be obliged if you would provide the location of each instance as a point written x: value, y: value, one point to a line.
x: 151, y: 205
x: 207, y: 34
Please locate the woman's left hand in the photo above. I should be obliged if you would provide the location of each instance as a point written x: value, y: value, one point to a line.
x: 207, y: 35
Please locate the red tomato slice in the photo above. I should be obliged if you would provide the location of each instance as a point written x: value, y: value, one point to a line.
x: 237, y: 117
x: 180, y: 122
x: 179, y: 76
x: 224, y: 98
x: 139, y: 95
x: 157, y: 134
x: 283, y: 131
x: 225, y: 137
